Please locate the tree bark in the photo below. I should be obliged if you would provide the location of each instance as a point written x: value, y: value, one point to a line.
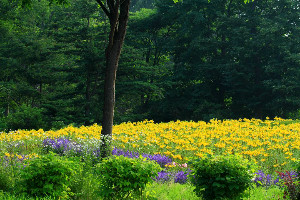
x: 118, y: 13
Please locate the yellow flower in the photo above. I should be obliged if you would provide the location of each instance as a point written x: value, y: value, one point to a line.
x: 283, y: 164
x: 200, y: 155
x: 177, y: 156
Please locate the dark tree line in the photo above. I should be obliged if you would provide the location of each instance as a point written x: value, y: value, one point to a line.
x: 193, y: 60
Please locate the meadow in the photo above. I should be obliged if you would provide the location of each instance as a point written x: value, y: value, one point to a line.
x: 273, y: 145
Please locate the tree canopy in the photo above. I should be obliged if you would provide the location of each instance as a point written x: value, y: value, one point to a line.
x: 190, y: 60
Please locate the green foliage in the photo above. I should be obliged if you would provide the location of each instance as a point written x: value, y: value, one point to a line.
x: 6, y: 179
x: 53, y: 57
x: 222, y: 56
x: 121, y: 176
x: 294, y: 115
x: 263, y: 193
x: 298, y: 166
x: 85, y: 184
x: 3, y: 125
x: 10, y: 169
x: 56, y: 125
x: 49, y: 175
x: 9, y: 196
x: 221, y: 177
x: 25, y: 117
x: 170, y: 191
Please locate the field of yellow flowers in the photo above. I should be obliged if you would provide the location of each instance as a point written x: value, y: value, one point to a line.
x: 272, y: 144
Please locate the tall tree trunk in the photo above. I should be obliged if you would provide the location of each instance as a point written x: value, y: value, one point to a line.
x: 118, y: 13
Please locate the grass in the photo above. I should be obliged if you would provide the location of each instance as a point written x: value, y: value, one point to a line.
x: 8, y: 196
x: 173, y: 191
x: 262, y: 193
x: 168, y: 191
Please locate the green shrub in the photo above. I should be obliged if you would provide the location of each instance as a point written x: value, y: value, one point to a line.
x: 25, y: 117
x: 6, y: 179
x: 49, y: 175
x: 221, y: 177
x: 121, y: 176
x: 297, y: 166
x: 85, y: 184
x: 294, y: 115
x: 10, y: 169
x: 3, y: 125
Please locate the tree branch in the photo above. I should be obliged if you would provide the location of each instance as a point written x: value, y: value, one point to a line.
x: 104, y: 8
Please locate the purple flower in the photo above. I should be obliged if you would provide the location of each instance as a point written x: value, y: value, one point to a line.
x: 163, y: 176
x: 291, y: 174
x: 13, y: 161
x: 61, y: 146
x: 128, y: 154
x: 265, y: 180
x: 160, y: 159
x: 181, y: 177
x: 178, y: 177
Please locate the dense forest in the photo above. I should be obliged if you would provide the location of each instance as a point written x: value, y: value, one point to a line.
x: 190, y: 60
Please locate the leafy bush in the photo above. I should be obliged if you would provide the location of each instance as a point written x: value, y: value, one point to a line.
x: 121, y: 176
x: 56, y: 125
x: 49, y: 175
x: 294, y: 115
x: 6, y: 179
x: 85, y: 185
x: 3, y: 125
x: 10, y: 167
x: 25, y: 117
x: 221, y: 177
x: 297, y: 166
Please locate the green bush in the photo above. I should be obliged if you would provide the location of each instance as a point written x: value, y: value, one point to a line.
x: 49, y: 175
x: 6, y: 179
x: 294, y: 115
x: 85, y: 184
x: 25, y: 117
x: 56, y: 125
x: 297, y: 166
x: 3, y: 125
x: 221, y: 177
x: 121, y: 177
x: 10, y: 169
